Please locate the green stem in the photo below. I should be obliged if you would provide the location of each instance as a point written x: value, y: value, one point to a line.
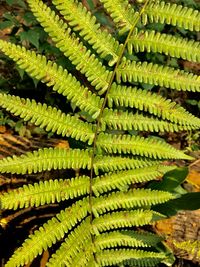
x: 103, y: 106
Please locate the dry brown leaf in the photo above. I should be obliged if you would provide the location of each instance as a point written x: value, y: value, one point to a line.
x: 45, y: 257
x: 184, y: 226
x: 194, y: 179
x: 2, y: 129
x: 63, y: 144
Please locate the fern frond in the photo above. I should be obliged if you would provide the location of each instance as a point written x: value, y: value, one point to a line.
x: 46, y: 192
x: 102, y: 210
x: 136, y: 145
x: 148, y: 238
x: 72, y: 245
x: 131, y: 257
x: 121, y: 219
x: 52, y: 191
x: 122, y: 13
x: 151, y: 102
x: 115, y: 239
x: 84, y: 256
x: 123, y: 120
x: 126, y: 238
x: 46, y: 159
x: 156, y: 42
x: 130, y: 199
x: 49, y: 234
x: 58, y: 158
x: 80, y: 19
x: 158, y: 75
x: 50, y: 73
x: 176, y: 15
x: 142, y: 239
x: 120, y: 180
x: 70, y: 45
x: 116, y: 163
x: 48, y: 118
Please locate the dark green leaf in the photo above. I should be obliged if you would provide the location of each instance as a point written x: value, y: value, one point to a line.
x: 29, y: 18
x: 20, y: 71
x: 171, y: 180
x: 31, y: 36
x: 192, y: 102
x: 16, y: 2
x: 189, y: 201
x: 10, y: 17
x: 90, y: 4
x: 5, y: 24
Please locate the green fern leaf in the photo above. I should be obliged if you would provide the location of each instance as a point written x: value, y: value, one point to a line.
x: 44, y: 193
x: 48, y: 118
x: 115, y: 163
x: 126, y: 238
x: 160, y: 12
x: 128, y: 200
x: 58, y: 158
x: 50, y: 73
x: 48, y: 234
x: 82, y: 20
x: 122, y: 13
x: 115, y: 239
x: 148, y: 238
x: 158, y: 75
x: 157, y: 42
x: 131, y: 257
x: 118, y: 239
x: 153, y: 103
x: 101, y: 209
x: 84, y: 255
x: 70, y: 45
x: 123, y: 120
x: 176, y: 15
x: 59, y: 190
x: 46, y: 159
x: 72, y: 245
x: 137, y: 145
x: 120, y: 180
x: 121, y: 219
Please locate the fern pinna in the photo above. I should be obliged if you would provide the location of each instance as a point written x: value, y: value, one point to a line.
x: 100, y: 227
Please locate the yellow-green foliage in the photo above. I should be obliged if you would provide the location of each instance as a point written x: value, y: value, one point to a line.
x: 156, y: 74
x: 191, y: 247
x: 100, y: 227
x: 167, y: 44
x: 176, y: 15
